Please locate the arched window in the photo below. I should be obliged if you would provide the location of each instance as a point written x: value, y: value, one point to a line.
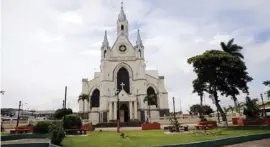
x: 150, y: 91
x: 123, y: 77
x: 95, y: 98
x: 122, y: 27
x: 140, y: 54
x: 104, y: 55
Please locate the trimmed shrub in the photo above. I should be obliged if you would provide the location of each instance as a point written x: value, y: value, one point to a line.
x: 72, y: 121
x: 57, y: 133
x: 60, y: 113
x: 42, y: 127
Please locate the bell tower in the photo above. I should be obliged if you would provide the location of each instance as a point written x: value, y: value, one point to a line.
x: 122, y: 23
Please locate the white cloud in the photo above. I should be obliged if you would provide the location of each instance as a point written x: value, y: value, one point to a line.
x: 49, y: 44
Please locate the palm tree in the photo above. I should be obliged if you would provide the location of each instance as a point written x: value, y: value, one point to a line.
x: 231, y: 108
x: 232, y: 49
x: 267, y: 83
x: 151, y: 100
x: 83, y: 97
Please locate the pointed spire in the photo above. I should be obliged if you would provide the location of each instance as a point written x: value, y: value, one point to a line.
x: 105, y: 42
x: 139, y: 40
x: 122, y: 15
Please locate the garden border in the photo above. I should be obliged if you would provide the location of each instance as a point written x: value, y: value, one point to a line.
x: 30, y: 145
x: 223, y: 142
x: 24, y: 136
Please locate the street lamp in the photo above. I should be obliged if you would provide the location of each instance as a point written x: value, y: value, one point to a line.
x: 174, y: 109
x: 18, y: 117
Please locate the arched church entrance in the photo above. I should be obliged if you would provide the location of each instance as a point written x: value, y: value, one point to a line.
x: 123, y: 80
x: 151, y: 91
x: 124, y: 113
x: 95, y: 98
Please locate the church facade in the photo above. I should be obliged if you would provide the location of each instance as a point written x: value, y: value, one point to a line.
x: 123, y: 76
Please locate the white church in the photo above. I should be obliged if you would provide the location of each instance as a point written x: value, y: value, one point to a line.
x: 123, y: 76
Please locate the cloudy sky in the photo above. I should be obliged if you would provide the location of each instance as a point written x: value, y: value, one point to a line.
x: 49, y: 44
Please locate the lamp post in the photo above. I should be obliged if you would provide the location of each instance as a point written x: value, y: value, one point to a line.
x: 173, y: 109
x: 118, y: 114
x: 20, y: 103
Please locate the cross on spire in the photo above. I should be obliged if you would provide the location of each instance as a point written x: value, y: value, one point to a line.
x: 122, y: 85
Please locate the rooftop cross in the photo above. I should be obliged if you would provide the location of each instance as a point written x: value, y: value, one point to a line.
x: 122, y: 85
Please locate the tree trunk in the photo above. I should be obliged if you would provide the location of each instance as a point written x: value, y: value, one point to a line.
x: 201, y: 100
x: 149, y: 114
x: 223, y: 115
x: 235, y: 104
x: 83, y: 110
x: 200, y: 111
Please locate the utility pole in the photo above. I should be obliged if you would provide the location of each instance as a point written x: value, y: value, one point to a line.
x: 65, y: 105
x: 180, y: 106
x: 18, y: 118
x: 173, y: 109
x: 263, y: 105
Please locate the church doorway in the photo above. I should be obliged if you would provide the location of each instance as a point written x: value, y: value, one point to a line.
x: 124, y: 113
x: 123, y: 80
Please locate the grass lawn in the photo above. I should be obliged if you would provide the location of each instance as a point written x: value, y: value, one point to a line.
x: 4, y: 134
x: 154, y: 138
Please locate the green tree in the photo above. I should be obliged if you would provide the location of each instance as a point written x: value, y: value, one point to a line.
x: 151, y: 100
x: 201, y: 109
x: 60, y: 113
x: 199, y: 88
x: 220, y: 72
x: 82, y: 98
x: 267, y: 83
x: 251, y: 109
x: 234, y: 50
x: 72, y: 121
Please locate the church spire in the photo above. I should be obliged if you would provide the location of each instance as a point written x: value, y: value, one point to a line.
x: 122, y: 15
x: 105, y: 42
x: 139, y: 40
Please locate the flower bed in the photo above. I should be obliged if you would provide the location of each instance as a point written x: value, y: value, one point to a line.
x: 205, y: 124
x: 151, y: 126
x: 87, y: 127
x: 243, y: 122
x: 235, y: 120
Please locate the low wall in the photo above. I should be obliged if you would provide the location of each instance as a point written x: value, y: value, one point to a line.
x: 24, y: 136
x: 186, y: 119
x: 30, y: 145
x: 223, y: 142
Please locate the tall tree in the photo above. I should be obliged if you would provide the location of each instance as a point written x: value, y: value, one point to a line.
x: 219, y: 72
x: 83, y: 98
x: 267, y: 83
x: 151, y: 100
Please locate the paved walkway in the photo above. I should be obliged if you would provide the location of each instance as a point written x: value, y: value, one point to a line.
x: 257, y: 143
